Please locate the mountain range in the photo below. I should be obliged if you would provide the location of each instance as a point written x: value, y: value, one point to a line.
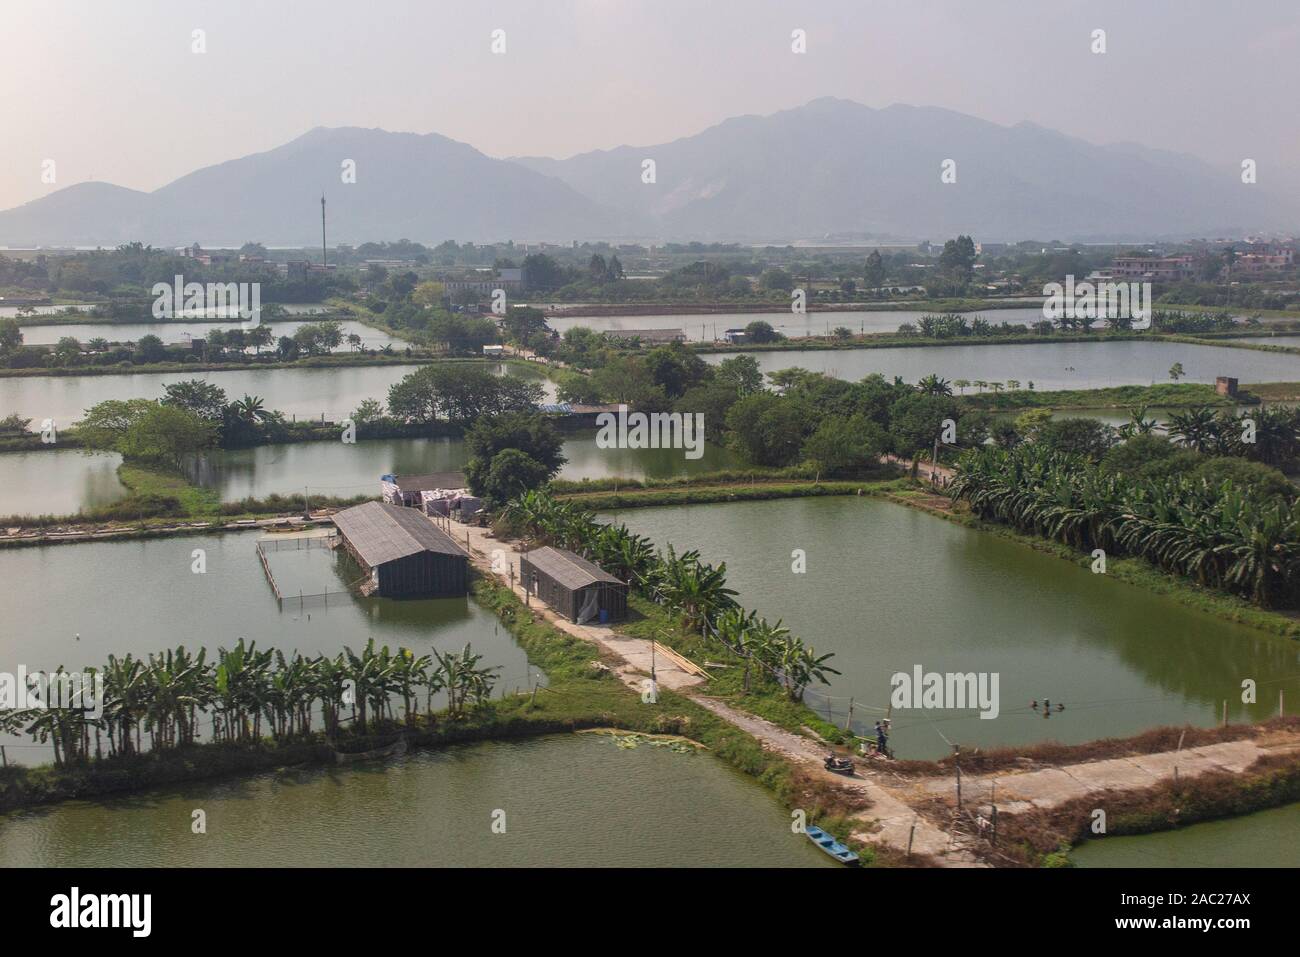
x: 832, y: 167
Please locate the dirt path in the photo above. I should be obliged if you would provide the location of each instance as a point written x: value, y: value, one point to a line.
x: 934, y: 474
x: 888, y: 821
x: 1045, y: 788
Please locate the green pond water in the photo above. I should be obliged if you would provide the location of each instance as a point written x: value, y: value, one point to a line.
x: 711, y: 326
x: 332, y: 393
x: 888, y: 588
x: 76, y: 604
x: 1050, y: 366
x: 576, y: 800
x: 335, y: 468
x: 58, y: 482
x: 67, y: 481
x: 1265, y: 839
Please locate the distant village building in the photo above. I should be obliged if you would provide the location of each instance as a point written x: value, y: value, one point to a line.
x: 507, y: 279
x: 301, y: 268
x: 1262, y: 259
x: 1154, y: 268
x: 197, y: 253
x: 494, y: 351
x: 734, y: 336
x: 403, y: 553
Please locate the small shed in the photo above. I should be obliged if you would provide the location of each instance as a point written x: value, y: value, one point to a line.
x: 407, y: 489
x: 576, y: 588
x: 404, y: 553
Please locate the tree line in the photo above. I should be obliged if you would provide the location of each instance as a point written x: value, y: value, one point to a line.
x: 163, y: 701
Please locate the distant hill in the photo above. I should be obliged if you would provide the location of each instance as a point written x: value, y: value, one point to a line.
x: 831, y: 167
x: 836, y: 166
x: 423, y: 187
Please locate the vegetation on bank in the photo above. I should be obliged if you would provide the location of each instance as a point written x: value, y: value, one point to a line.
x: 219, y: 348
x: 338, y: 360
x: 1131, y: 571
x: 1053, y: 753
x: 1221, y: 537
x: 1275, y: 391
x: 735, y: 492
x: 1162, y: 395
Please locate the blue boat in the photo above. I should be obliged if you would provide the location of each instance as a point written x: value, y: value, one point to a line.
x: 831, y: 846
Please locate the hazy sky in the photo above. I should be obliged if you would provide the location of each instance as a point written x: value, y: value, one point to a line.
x: 111, y: 90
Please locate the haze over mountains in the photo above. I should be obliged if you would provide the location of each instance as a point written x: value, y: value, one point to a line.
x: 831, y: 167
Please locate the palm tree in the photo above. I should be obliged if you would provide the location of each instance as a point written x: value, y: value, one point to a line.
x: 934, y: 385
x: 1196, y: 427
x: 696, y: 589
x: 251, y: 409
x: 800, y: 665
x: 1138, y: 423
x: 1220, y: 536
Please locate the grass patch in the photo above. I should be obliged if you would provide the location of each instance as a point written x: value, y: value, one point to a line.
x: 195, y: 502
x: 1274, y: 391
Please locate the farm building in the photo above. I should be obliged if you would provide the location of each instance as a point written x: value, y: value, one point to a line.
x: 573, y: 586
x: 407, y: 489
x: 405, y: 555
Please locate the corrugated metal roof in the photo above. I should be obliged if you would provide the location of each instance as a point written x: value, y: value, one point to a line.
x: 570, y: 570
x: 383, y: 533
x: 433, y: 480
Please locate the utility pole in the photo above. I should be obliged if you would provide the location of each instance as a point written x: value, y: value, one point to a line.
x: 956, y: 754
x: 324, y: 260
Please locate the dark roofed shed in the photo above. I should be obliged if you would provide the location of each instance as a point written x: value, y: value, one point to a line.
x: 405, y: 553
x: 576, y: 588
